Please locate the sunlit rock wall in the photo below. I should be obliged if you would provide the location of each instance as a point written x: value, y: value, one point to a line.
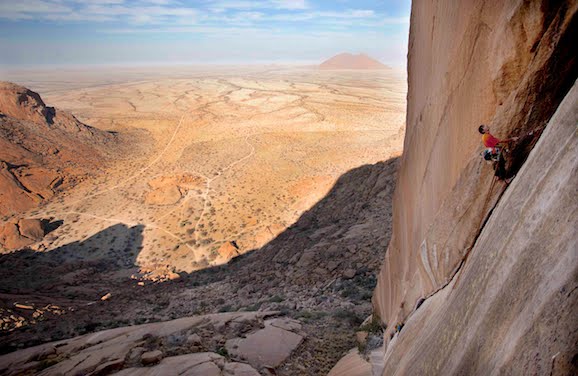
x: 507, y: 64
x: 512, y: 308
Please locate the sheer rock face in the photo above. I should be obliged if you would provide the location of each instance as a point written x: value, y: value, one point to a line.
x: 42, y: 149
x: 512, y: 307
x: 507, y: 65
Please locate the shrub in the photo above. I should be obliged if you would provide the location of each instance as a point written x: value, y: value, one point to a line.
x: 310, y: 315
x: 276, y: 299
x: 348, y: 316
x: 46, y: 363
x: 226, y: 308
x: 253, y: 307
x: 374, y: 326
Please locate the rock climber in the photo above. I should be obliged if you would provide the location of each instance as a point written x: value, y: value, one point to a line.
x: 494, y: 148
x: 492, y: 143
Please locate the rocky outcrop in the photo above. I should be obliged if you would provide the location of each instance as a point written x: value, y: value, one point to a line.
x: 20, y: 103
x: 14, y: 196
x: 168, y: 190
x: 16, y: 234
x: 267, y: 347
x: 42, y: 149
x: 177, y: 347
x: 508, y: 65
x: 23, y: 104
x: 226, y: 252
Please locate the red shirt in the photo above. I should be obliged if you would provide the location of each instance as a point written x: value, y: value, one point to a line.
x: 489, y: 141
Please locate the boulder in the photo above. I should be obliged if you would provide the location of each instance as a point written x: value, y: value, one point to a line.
x: 194, y: 339
x: 151, y: 357
x: 16, y: 234
x: 226, y: 252
x: 33, y: 229
x: 269, y: 346
x: 134, y: 355
x: 349, y: 273
x: 23, y: 306
x: 106, y: 297
x: 239, y: 369
x: 108, y: 367
x: 307, y: 259
x: 351, y: 364
x: 361, y: 337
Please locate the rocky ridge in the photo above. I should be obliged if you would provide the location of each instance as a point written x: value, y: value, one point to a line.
x: 42, y: 150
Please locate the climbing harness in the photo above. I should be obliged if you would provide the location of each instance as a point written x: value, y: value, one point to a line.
x: 490, y: 155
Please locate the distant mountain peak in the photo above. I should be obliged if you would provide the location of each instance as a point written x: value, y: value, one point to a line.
x: 348, y: 60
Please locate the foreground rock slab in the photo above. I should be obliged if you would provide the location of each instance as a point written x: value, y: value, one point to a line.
x: 351, y: 364
x: 267, y: 347
x: 164, y: 348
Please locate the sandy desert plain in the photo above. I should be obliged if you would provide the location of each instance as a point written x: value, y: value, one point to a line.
x: 213, y: 155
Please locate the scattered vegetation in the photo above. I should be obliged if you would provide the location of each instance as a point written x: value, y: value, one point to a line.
x: 374, y: 339
x: 309, y: 316
x: 226, y: 308
x: 348, y: 316
x: 373, y: 326
x: 253, y: 307
x: 46, y: 363
x: 276, y: 299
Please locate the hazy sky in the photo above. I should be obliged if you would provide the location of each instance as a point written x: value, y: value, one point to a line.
x: 63, y: 32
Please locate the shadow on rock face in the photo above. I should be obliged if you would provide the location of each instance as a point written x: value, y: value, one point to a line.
x: 51, y: 225
x: 111, y: 249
